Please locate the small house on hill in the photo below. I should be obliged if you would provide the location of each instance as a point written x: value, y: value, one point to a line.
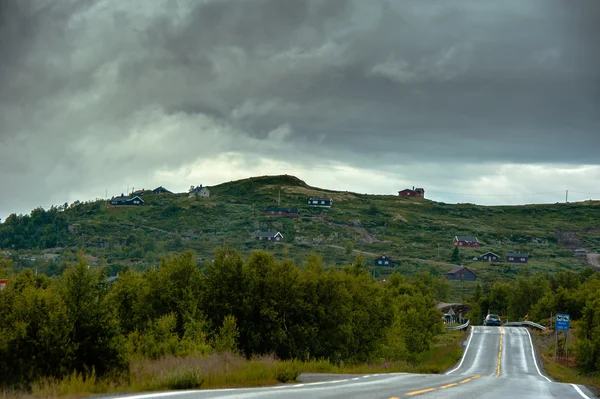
x: 383, y: 260
x: 461, y: 273
x: 199, y: 191
x: 466, y: 241
x: 490, y: 257
x: 274, y: 236
x: 415, y: 192
x: 126, y: 200
x: 285, y: 212
x: 161, y: 190
x: 514, y: 257
x: 580, y: 252
x: 321, y: 202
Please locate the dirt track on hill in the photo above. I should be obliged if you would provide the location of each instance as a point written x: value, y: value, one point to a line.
x: 593, y: 260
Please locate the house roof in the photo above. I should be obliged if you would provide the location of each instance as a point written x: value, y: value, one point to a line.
x: 271, y: 234
x: 385, y: 257
x: 124, y: 198
x: 288, y: 210
x: 489, y: 253
x: 161, y: 188
x: 466, y: 238
x: 319, y: 199
x: 406, y: 189
x: 460, y: 268
x: 516, y: 255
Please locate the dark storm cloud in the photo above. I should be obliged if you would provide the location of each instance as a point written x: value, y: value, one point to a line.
x: 147, y: 86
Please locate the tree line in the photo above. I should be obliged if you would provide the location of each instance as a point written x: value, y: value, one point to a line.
x: 53, y: 326
x: 538, y: 296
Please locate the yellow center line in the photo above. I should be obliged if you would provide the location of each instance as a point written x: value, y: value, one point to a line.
x: 499, y: 353
x: 449, y: 385
x: 442, y: 387
x: 421, y: 391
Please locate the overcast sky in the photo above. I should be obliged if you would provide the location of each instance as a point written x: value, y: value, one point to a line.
x: 490, y: 102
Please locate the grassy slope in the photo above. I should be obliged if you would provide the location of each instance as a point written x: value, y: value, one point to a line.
x: 417, y: 233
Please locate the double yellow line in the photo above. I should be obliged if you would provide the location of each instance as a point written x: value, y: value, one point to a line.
x: 442, y: 387
x: 500, y: 352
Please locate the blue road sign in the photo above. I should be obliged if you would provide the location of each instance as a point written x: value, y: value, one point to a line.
x: 563, y: 322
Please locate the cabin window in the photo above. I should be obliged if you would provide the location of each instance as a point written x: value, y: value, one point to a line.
x: 523, y: 259
x: 387, y: 263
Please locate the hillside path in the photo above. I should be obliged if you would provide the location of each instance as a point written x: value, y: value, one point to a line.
x: 593, y: 260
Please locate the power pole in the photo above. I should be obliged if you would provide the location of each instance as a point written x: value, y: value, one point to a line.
x: 567, y: 196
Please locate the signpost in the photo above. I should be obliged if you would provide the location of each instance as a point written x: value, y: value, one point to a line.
x: 563, y: 323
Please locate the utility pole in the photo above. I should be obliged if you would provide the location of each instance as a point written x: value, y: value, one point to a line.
x: 567, y: 196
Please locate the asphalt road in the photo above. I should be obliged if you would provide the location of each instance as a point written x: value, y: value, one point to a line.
x: 499, y: 362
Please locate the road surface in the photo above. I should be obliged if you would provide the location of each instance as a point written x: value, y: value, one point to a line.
x: 498, y: 362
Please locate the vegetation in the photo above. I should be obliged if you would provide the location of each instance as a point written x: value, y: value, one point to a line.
x: 78, y: 328
x: 415, y: 233
x: 265, y: 312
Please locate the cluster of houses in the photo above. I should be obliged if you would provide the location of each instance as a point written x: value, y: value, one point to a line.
x: 463, y: 273
x: 134, y: 199
x: 472, y: 242
x: 276, y: 236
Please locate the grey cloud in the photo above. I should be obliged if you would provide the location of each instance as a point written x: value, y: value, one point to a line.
x: 374, y: 84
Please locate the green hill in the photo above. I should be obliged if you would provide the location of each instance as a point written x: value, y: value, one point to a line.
x: 415, y: 233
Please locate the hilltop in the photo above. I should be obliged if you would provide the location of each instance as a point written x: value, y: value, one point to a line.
x: 415, y: 233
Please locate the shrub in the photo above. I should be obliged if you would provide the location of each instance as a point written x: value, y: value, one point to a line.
x: 183, y: 379
x: 287, y: 371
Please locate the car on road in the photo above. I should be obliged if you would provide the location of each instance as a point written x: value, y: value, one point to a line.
x: 492, y: 320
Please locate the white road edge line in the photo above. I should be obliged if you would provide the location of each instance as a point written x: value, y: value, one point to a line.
x: 579, y: 391
x: 533, y: 355
x: 465, y: 353
x: 171, y: 393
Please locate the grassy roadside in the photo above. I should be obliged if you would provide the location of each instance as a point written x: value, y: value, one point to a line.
x: 229, y: 371
x: 560, y: 369
x: 445, y: 352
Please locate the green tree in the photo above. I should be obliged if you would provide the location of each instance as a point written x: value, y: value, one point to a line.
x: 225, y: 288
x: 455, y: 257
x: 349, y: 247
x: 95, y: 329
x: 227, y: 338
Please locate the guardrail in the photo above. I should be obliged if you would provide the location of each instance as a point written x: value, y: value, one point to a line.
x: 461, y: 327
x: 525, y: 323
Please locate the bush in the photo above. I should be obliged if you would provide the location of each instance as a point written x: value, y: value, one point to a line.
x: 287, y: 371
x: 183, y: 379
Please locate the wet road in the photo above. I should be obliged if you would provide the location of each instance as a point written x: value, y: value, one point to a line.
x: 498, y: 362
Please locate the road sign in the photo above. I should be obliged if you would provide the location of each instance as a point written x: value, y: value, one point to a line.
x: 3, y: 284
x: 563, y: 322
